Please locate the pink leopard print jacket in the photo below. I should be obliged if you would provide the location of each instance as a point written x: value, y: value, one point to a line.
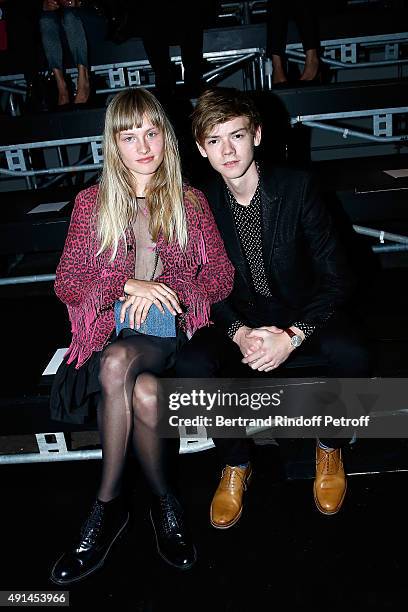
x: 89, y: 285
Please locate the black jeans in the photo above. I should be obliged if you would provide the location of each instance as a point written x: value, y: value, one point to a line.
x: 303, y: 13
x: 211, y: 353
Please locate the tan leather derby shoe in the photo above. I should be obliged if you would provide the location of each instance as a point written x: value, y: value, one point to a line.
x: 226, y: 507
x: 330, y: 483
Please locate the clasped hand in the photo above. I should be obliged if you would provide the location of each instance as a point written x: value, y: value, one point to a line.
x: 264, y: 348
x: 53, y: 5
x: 141, y: 295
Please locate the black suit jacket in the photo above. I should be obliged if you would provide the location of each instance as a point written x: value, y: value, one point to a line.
x: 305, y: 266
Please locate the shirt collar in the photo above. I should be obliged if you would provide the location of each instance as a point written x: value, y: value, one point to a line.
x: 256, y: 198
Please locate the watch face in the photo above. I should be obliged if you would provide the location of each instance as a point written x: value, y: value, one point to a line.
x: 296, y: 341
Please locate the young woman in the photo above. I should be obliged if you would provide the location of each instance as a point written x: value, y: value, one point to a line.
x: 145, y: 237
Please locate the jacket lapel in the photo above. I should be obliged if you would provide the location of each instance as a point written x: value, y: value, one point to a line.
x: 215, y: 192
x: 271, y: 201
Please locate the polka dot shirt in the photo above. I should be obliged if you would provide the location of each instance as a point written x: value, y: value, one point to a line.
x: 248, y: 222
x: 249, y: 227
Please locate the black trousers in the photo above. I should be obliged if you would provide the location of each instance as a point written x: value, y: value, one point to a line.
x: 158, y: 51
x: 211, y: 353
x: 179, y: 22
x: 304, y: 15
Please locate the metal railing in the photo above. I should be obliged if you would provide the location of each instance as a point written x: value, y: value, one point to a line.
x: 382, y: 123
x: 398, y: 242
x: 17, y: 159
x: 119, y: 76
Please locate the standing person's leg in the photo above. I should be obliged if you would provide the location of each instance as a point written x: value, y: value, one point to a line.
x: 76, y: 37
x: 307, y: 22
x: 158, y: 53
x: 50, y: 28
x: 125, y: 400
x: 342, y: 345
x: 191, y: 45
x: 277, y: 32
x: 206, y: 355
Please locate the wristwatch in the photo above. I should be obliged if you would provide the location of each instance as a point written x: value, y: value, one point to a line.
x: 295, y: 340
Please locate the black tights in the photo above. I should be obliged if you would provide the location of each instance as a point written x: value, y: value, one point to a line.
x: 129, y: 408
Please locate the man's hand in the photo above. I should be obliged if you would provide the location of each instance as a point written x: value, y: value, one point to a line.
x: 247, y: 346
x: 53, y: 5
x: 50, y: 5
x: 275, y: 348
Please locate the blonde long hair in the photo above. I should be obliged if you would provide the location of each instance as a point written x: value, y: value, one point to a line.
x: 116, y: 196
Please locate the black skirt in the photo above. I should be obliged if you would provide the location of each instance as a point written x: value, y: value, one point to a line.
x: 75, y: 392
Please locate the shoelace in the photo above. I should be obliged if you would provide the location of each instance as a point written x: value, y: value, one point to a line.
x: 171, y: 518
x: 233, y: 476
x: 91, y: 527
x: 331, y: 466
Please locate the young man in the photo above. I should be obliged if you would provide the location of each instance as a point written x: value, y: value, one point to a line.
x: 291, y: 282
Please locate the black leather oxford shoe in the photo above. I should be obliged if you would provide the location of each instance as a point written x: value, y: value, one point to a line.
x: 173, y: 539
x: 105, y: 523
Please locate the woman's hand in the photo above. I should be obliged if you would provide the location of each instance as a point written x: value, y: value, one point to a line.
x: 158, y: 293
x: 138, y: 308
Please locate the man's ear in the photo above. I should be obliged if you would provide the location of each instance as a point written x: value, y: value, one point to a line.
x: 201, y: 149
x: 258, y: 135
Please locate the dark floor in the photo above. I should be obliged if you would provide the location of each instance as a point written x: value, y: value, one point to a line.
x: 282, y: 555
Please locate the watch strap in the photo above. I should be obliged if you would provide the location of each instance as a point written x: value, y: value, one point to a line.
x: 295, y: 339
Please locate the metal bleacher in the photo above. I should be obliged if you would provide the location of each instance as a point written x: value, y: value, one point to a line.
x: 351, y: 112
x: 362, y: 126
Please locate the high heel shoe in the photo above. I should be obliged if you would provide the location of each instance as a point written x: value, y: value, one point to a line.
x: 281, y: 85
x: 322, y: 76
x: 91, y: 100
x: 89, y: 103
x: 85, y: 103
